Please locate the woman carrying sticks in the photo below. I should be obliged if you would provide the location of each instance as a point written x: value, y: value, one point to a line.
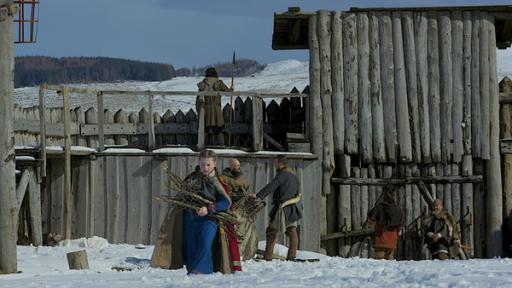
x: 198, y: 225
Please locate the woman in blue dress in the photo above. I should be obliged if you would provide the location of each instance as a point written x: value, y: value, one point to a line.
x: 199, y: 229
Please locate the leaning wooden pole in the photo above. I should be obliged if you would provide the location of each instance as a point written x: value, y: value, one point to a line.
x: 493, y: 177
x: 8, y: 261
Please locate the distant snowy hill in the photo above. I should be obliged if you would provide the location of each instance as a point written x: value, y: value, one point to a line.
x: 277, y: 77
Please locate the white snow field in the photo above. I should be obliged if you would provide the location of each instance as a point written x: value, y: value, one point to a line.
x: 47, y: 267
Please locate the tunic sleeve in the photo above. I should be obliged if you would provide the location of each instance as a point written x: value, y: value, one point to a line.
x: 270, y: 188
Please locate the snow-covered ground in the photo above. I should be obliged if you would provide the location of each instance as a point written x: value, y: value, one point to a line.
x: 47, y: 267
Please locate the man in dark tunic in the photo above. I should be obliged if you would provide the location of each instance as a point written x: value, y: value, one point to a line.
x: 441, y: 232
x: 285, y: 198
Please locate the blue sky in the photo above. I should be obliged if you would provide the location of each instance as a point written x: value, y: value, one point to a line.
x: 184, y: 33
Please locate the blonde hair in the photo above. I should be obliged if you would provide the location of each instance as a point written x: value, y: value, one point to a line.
x: 207, y: 154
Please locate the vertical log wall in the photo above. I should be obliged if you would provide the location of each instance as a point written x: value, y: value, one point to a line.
x: 418, y: 91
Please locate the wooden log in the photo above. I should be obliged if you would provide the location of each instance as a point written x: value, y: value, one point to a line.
x: 42, y: 129
x: 157, y: 119
x: 480, y: 211
x: 239, y: 118
x: 337, y: 76
x: 457, y: 85
x: 467, y: 82
x: 433, y: 88
x: 21, y: 190
x: 421, y: 45
x: 431, y: 171
x: 91, y: 117
x: 315, y: 115
x: 363, y: 90
x: 168, y: 117
x: 408, y: 213
x: 372, y: 191
x: 151, y: 124
x: 388, y: 84
x: 457, y: 212
x: 18, y: 115
x: 505, y: 85
x: 121, y: 117
x: 416, y: 197
x: 78, y: 260
x: 364, y: 196
x: 67, y: 163
x: 412, y: 83
x: 493, y: 175
x: 446, y: 84
x: 344, y: 207
x: 439, y: 186
x: 246, y: 140
x: 425, y: 193
x: 190, y: 119
x: 144, y: 119
x: 379, y: 144
x: 350, y: 67
x: 325, y: 99
x: 447, y: 189
x: 34, y: 202
x: 402, y: 110
x: 438, y: 179
x: 108, y: 119
x: 101, y: 121
x: 467, y: 204
x: 476, y: 120
x: 257, y: 130
x: 355, y: 200
x: 485, y: 86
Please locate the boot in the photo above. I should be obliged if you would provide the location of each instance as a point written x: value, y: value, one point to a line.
x: 293, y: 237
x: 271, y: 242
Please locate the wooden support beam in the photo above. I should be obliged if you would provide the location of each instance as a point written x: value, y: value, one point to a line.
x: 346, y: 234
x: 67, y: 162
x: 42, y: 129
x: 151, y: 124
x: 257, y: 123
x: 273, y: 142
x: 425, y: 193
x: 20, y: 190
x: 101, y: 121
x: 408, y: 180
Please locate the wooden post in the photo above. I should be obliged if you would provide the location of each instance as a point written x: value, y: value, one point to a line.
x: 485, y: 85
x: 446, y: 82
x: 467, y: 228
x: 457, y: 85
x: 67, y: 161
x: 493, y: 175
x: 476, y: 121
x: 121, y: 117
x: 101, y: 121
x: 91, y: 117
x: 467, y: 85
x: 350, y: 67
x: 363, y: 90
x: 200, y: 126
x: 421, y: 32
x: 325, y: 99
x: 433, y: 88
x: 338, y: 101
x: 379, y: 144
x: 315, y: 106
x: 34, y: 200
x: 506, y: 132
x: 257, y: 123
x: 344, y: 211
x: 42, y: 131
x: 412, y: 83
x: 109, y: 120
x: 78, y: 260
x: 151, y: 124
x: 387, y: 73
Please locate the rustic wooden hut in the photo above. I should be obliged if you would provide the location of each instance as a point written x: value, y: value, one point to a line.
x: 404, y: 95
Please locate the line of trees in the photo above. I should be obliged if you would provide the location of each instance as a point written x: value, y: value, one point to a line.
x: 34, y: 70
x: 243, y: 68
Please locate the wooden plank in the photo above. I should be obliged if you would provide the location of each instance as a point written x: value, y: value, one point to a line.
x: 42, y: 135
x: 67, y: 163
x: 337, y: 76
x: 493, y: 175
x: 57, y: 196
x: 402, y: 110
x: 412, y: 83
x: 433, y: 87
x: 476, y: 120
x: 133, y: 193
x: 350, y: 67
x: 421, y: 44
x: 325, y: 99
x: 388, y: 84
x: 159, y: 186
x: 379, y: 144
x: 467, y: 83
x: 363, y: 90
x: 34, y: 202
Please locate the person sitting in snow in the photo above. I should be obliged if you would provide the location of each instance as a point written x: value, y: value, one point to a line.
x: 285, y: 212
x: 441, y: 232
x: 386, y: 219
x: 187, y: 235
